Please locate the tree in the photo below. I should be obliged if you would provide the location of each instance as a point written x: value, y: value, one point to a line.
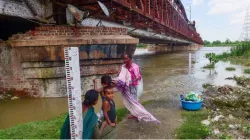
x: 217, y: 42
x: 236, y: 42
x: 212, y: 58
x: 228, y: 41
x: 205, y: 42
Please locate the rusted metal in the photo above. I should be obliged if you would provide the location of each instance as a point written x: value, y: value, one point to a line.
x: 167, y: 15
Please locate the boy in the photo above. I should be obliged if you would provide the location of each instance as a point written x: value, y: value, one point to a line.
x: 108, y: 107
x: 105, y: 81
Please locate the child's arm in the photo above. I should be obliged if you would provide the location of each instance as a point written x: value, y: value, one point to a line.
x: 106, y: 108
x: 95, y: 86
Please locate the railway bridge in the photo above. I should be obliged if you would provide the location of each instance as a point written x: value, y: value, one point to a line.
x: 152, y: 21
x: 35, y: 32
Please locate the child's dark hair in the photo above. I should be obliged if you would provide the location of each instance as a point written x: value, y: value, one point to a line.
x: 106, y: 79
x: 129, y: 56
x: 107, y: 88
x: 90, y: 97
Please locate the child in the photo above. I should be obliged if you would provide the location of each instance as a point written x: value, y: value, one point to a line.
x: 105, y: 81
x: 108, y: 107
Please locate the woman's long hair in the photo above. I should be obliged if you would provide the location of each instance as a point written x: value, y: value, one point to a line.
x: 90, y: 97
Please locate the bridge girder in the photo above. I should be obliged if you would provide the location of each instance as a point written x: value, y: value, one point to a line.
x: 167, y: 16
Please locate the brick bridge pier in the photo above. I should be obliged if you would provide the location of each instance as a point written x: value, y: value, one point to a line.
x: 32, y: 64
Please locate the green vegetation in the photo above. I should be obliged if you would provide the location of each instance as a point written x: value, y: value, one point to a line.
x: 230, y: 69
x: 219, y: 43
x: 243, y: 50
x: 140, y: 45
x: 49, y: 129
x: 242, y: 80
x: 247, y: 71
x: 209, y: 66
x: 121, y: 113
x: 192, y: 127
x: 212, y: 60
x: 206, y: 85
x: 247, y: 64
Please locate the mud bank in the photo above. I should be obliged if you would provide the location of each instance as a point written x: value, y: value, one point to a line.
x: 229, y: 109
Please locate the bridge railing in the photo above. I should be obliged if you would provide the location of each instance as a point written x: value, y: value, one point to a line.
x: 160, y: 15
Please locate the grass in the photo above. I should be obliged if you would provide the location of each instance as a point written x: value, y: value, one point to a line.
x: 49, y: 129
x: 242, y: 49
x: 121, y: 113
x: 209, y: 66
x: 247, y: 71
x: 192, y: 127
x: 230, y: 69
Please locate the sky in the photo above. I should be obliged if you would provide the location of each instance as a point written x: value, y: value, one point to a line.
x: 218, y: 19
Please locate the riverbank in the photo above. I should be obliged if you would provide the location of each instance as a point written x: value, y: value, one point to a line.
x: 228, y: 105
x: 220, y: 45
x: 48, y: 129
x: 229, y: 115
x: 165, y: 77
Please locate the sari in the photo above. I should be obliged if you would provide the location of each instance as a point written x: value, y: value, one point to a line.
x: 90, y: 127
x: 135, y: 108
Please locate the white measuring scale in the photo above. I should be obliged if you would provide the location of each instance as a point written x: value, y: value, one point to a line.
x: 74, y: 91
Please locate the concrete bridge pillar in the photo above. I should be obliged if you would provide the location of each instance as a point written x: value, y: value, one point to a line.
x: 32, y: 64
x: 168, y: 48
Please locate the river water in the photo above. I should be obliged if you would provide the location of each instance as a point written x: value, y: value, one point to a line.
x: 164, y: 75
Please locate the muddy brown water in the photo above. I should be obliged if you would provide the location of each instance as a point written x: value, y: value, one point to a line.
x: 165, y: 76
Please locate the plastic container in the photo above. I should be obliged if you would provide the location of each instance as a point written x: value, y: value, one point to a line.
x: 192, y: 106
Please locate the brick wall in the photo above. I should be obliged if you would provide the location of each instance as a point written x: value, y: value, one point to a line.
x: 38, y: 71
x: 71, y: 31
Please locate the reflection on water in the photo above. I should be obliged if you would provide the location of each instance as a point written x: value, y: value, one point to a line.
x: 165, y: 77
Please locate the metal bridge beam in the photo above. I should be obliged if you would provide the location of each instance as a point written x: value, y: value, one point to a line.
x: 166, y: 16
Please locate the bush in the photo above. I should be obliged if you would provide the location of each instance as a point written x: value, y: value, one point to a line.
x: 230, y: 69
x: 209, y: 66
x: 212, y: 58
x: 242, y: 49
x: 247, y: 71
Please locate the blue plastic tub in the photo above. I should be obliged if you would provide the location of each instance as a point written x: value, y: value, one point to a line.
x: 193, y: 106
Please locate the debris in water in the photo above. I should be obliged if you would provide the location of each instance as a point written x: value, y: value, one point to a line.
x: 15, y: 98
